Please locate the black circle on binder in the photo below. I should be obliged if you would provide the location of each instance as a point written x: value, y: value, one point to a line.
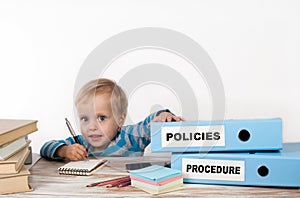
x: 263, y: 171
x: 244, y: 135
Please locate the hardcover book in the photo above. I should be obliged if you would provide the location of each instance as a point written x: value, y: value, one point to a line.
x: 13, y: 183
x: 11, y: 130
x: 13, y: 164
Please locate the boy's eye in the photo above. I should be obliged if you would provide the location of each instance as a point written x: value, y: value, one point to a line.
x: 101, y: 118
x: 84, y: 119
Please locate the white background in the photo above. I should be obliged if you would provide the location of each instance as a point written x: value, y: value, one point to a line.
x: 254, y: 44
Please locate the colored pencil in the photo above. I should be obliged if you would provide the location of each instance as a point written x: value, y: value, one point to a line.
x: 106, y: 182
x: 124, y: 184
x: 117, y: 182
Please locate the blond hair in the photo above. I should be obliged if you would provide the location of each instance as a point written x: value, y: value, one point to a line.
x: 119, y: 100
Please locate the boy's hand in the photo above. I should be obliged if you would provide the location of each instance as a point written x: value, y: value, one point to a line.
x: 72, y: 152
x: 167, y: 117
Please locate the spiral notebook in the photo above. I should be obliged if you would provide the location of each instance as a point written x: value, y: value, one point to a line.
x: 84, y: 168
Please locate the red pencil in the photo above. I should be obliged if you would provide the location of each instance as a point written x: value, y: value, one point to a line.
x: 113, y: 182
x: 117, y: 182
x: 124, y: 184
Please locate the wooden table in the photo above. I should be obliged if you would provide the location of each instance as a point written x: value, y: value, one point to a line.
x: 46, y: 182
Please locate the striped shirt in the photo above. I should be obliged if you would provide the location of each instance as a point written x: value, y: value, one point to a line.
x: 130, y: 141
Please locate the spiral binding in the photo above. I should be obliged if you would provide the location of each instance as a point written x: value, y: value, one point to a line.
x: 72, y: 171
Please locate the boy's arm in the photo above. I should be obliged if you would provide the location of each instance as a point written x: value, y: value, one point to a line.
x: 141, y: 131
x: 49, y: 149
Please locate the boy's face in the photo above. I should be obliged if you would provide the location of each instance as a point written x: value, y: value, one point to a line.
x: 97, y: 122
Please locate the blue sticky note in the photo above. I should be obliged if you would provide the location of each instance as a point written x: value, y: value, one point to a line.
x: 155, y: 173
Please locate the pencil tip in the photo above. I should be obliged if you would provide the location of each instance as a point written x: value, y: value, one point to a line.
x: 66, y: 119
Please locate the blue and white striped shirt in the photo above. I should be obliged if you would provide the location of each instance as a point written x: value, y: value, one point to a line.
x: 130, y: 141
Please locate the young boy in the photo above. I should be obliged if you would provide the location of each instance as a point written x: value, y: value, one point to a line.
x: 102, y: 107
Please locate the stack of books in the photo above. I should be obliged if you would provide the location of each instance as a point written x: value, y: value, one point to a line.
x: 230, y: 152
x: 156, y: 179
x: 14, y: 150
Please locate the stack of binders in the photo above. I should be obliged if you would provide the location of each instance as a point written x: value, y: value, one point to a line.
x: 230, y: 152
x: 14, y: 152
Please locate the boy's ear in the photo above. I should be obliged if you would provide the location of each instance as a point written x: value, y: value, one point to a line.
x: 122, y: 119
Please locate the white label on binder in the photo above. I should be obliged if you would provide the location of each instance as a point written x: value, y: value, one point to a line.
x: 229, y: 170
x: 183, y: 136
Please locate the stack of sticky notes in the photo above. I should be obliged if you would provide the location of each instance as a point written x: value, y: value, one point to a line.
x: 156, y: 179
